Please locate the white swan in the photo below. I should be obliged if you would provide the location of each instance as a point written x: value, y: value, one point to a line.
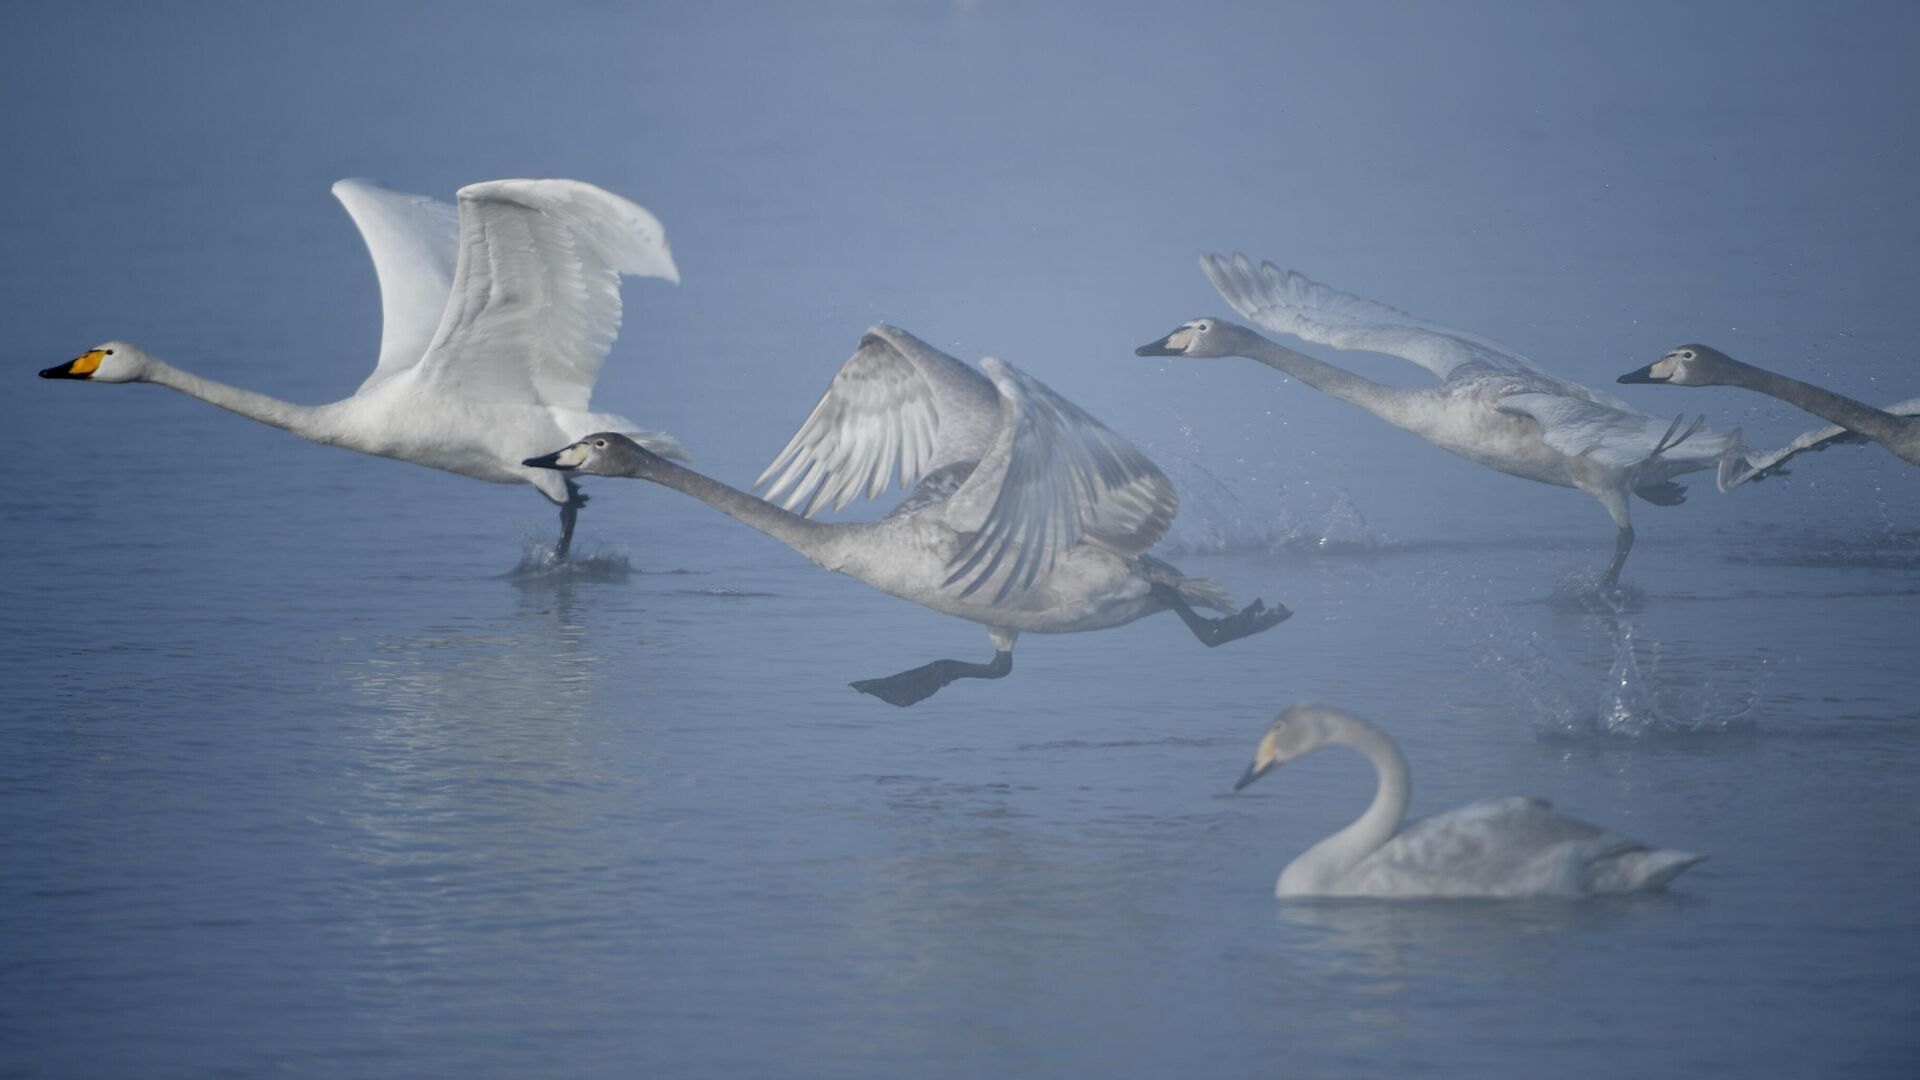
x: 1493, y: 406
x: 1896, y: 427
x: 1497, y: 848
x: 1027, y: 514
x: 496, y: 319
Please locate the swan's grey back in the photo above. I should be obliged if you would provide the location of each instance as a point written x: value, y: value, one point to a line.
x: 1511, y: 847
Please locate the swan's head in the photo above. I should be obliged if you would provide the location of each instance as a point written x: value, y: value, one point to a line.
x: 606, y: 453
x: 1205, y: 336
x: 115, y: 361
x: 1300, y: 730
x: 1688, y: 365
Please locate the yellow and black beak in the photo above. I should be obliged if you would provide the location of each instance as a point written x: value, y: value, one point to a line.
x: 80, y: 367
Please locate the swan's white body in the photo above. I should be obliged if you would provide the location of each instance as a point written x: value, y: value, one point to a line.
x: 1027, y: 515
x: 1514, y: 847
x: 1493, y: 406
x: 496, y: 320
x: 1896, y: 427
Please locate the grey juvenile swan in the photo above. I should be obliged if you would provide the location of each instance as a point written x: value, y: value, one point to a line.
x: 1027, y: 514
x: 1514, y: 847
x: 1493, y: 406
x: 1896, y: 427
x: 496, y: 319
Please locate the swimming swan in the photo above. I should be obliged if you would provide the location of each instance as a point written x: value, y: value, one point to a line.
x: 1493, y: 406
x: 1512, y: 847
x: 1027, y: 514
x: 1896, y: 427
x: 496, y: 319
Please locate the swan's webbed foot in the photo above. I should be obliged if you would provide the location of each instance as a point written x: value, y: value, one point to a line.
x: 924, y: 681
x: 1250, y: 620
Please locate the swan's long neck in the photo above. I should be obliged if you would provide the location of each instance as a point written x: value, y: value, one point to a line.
x: 1336, y: 382
x: 307, y: 421
x: 813, y: 539
x: 1322, y: 865
x: 1881, y: 427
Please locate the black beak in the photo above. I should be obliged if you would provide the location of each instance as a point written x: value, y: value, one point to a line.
x: 1254, y: 772
x: 1156, y: 348
x: 61, y: 371
x: 1645, y: 374
x: 549, y: 461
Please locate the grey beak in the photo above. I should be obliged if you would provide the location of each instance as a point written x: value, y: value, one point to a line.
x: 1645, y: 375
x: 548, y: 461
x: 1155, y: 348
x: 1254, y: 772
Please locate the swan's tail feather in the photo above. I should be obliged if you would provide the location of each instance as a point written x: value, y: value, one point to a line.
x: 1197, y: 591
x: 661, y: 443
x: 1642, y: 870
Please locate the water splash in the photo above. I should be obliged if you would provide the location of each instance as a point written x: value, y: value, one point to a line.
x: 539, y: 566
x: 1564, y: 699
x: 1259, y: 514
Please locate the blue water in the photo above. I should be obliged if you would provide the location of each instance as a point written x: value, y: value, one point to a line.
x: 298, y: 778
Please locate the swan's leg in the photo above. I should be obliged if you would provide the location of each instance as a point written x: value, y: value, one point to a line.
x: 1622, y: 543
x: 924, y: 681
x: 1251, y: 619
x: 569, y: 513
x: 1616, y: 504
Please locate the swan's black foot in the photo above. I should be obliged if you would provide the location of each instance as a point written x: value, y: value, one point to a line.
x: 1250, y: 620
x: 924, y: 681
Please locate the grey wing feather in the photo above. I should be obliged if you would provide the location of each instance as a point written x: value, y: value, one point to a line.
x: 1288, y: 302
x: 1607, y: 434
x: 1053, y: 477
x: 897, y: 407
x: 1744, y: 466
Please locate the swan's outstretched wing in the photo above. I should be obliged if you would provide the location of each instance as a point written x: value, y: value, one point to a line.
x: 1612, y: 436
x: 1289, y: 302
x: 535, y: 302
x: 414, y: 242
x: 1053, y: 477
x: 898, y: 406
x: 1743, y: 465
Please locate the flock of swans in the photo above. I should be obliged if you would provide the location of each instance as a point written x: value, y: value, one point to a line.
x: 1025, y: 513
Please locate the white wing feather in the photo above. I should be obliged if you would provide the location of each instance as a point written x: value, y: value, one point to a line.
x: 897, y: 407
x: 1053, y: 477
x: 535, y: 301
x: 1744, y: 466
x: 414, y: 242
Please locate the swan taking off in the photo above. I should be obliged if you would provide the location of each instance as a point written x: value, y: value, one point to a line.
x: 1493, y: 406
x: 1514, y: 847
x: 1027, y: 514
x: 496, y: 319
x: 1896, y: 427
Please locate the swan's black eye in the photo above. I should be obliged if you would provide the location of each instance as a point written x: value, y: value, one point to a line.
x: 109, y: 352
x: 1688, y: 355
x: 601, y: 443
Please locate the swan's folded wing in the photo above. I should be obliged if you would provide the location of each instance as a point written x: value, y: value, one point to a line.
x: 1498, y: 847
x: 414, y: 242
x: 535, y: 302
x: 1288, y: 302
x: 1053, y: 477
x: 898, y: 406
x: 1748, y: 466
x: 1618, y: 437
